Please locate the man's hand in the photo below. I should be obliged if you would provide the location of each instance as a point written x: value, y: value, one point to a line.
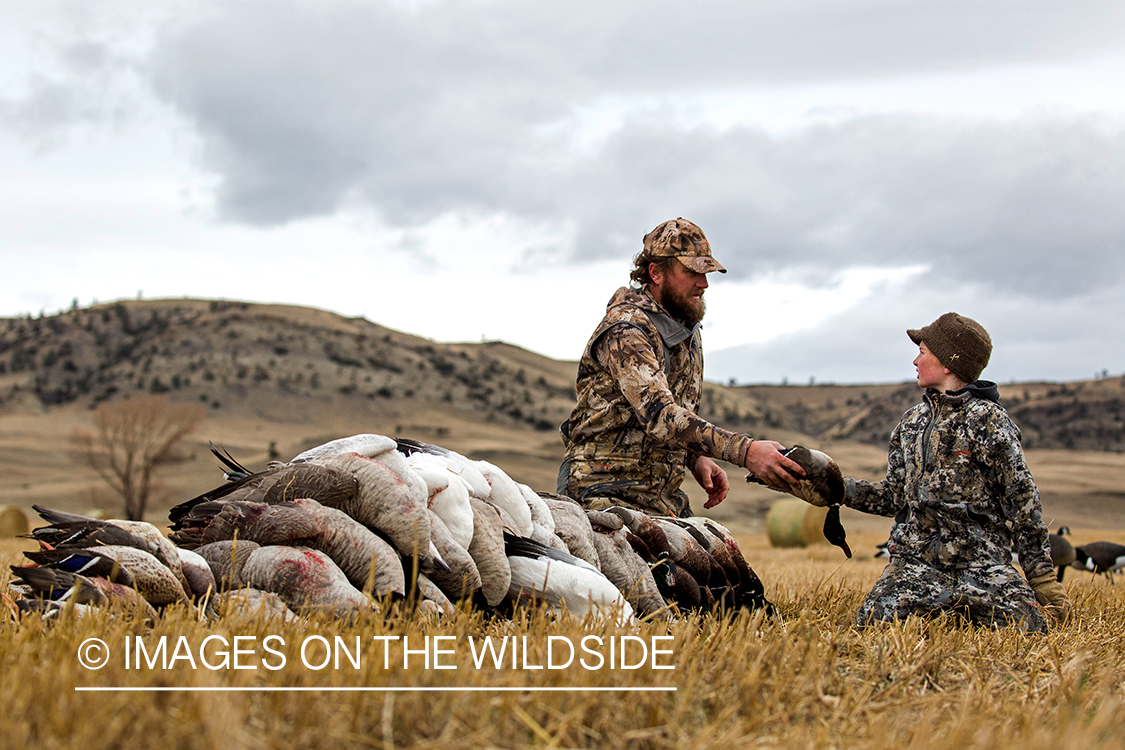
x: 765, y: 461
x: 712, y: 479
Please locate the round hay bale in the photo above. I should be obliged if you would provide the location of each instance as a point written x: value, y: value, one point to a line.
x: 795, y: 523
x: 13, y: 522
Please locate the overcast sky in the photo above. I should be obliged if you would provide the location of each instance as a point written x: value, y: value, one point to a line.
x: 486, y: 170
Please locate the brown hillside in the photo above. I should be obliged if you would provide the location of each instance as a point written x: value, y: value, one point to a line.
x: 277, y: 379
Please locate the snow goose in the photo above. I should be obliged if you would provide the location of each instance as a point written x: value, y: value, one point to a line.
x: 562, y: 582
x: 369, y: 562
x: 463, y: 578
x: 306, y: 580
x: 487, y: 551
x: 572, y: 526
x: 448, y: 495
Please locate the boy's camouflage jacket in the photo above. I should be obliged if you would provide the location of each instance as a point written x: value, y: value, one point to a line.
x: 634, y: 429
x: 958, y: 486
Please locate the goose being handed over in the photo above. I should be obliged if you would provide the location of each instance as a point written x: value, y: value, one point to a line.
x: 823, y: 486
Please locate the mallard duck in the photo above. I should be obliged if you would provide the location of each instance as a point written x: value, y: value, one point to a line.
x: 63, y: 589
x: 120, y: 564
x: 72, y: 530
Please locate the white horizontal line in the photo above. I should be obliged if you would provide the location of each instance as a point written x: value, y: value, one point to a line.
x: 112, y: 689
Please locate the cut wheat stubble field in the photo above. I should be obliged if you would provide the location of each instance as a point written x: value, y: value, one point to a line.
x: 810, y: 679
x: 807, y: 679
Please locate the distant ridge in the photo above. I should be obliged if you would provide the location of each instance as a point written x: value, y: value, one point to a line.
x: 292, y: 363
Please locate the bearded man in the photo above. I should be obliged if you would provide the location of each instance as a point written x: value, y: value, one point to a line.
x: 634, y: 432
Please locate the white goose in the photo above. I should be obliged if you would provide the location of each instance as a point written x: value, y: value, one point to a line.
x: 562, y: 582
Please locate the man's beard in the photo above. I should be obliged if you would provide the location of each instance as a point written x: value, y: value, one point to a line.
x: 687, y: 309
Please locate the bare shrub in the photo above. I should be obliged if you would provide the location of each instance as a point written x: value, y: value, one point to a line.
x: 131, y: 439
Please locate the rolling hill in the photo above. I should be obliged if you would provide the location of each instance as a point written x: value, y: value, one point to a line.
x: 276, y: 379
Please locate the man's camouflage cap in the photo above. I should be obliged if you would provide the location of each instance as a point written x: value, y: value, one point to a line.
x: 684, y: 241
x: 959, y: 343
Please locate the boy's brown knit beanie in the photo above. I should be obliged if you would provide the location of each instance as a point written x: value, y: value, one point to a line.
x: 959, y: 343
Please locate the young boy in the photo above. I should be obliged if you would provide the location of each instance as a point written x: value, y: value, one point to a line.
x: 960, y: 492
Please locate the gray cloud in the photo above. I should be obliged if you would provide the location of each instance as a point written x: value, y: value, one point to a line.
x: 462, y: 108
x: 416, y: 111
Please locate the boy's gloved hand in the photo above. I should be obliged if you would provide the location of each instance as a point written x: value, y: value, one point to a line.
x: 1051, y: 595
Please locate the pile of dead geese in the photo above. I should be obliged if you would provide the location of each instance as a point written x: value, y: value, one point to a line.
x: 358, y: 523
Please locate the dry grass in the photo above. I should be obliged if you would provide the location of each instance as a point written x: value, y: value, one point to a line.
x: 812, y: 681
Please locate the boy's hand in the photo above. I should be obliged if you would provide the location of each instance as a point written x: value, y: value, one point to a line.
x: 1051, y: 596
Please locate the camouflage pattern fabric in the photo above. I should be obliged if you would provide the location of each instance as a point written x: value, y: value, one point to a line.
x: 962, y: 497
x: 634, y: 430
x: 992, y: 595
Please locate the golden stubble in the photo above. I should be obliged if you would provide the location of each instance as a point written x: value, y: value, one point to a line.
x: 806, y: 679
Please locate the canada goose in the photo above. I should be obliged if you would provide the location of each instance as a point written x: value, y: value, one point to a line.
x: 1100, y: 557
x: 689, y: 555
x: 823, y: 483
x: 621, y: 564
x: 1062, y: 551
